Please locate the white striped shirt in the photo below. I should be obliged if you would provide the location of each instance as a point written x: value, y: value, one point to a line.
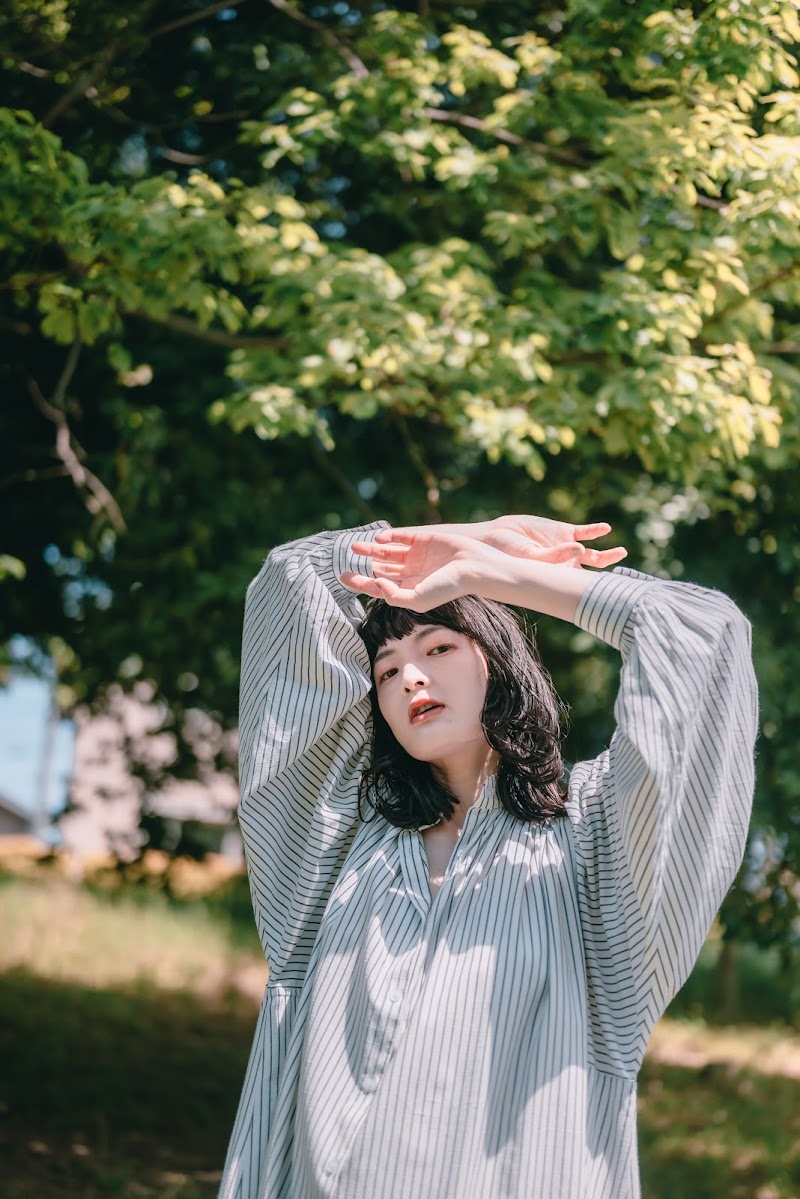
x: 487, y: 1043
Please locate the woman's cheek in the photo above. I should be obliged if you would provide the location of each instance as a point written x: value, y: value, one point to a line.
x: 389, y: 712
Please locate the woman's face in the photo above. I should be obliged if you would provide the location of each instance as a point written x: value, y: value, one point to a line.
x: 431, y: 687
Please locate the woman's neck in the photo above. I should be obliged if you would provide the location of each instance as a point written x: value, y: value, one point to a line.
x: 466, y: 778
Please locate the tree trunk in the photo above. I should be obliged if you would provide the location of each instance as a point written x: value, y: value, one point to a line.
x: 727, y: 985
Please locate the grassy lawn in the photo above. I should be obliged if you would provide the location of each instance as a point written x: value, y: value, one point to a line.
x: 115, y: 1091
x: 125, y: 1023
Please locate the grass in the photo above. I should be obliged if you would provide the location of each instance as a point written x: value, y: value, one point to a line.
x: 119, y: 1091
x: 126, y: 1020
x: 63, y: 933
x: 718, y: 1131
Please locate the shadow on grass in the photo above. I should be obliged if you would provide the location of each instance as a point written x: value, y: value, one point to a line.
x: 131, y: 1092
x: 123, y: 1092
x: 718, y: 1131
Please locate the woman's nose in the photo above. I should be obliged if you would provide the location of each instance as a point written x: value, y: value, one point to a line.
x: 413, y: 677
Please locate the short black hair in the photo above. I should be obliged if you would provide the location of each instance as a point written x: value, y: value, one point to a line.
x: 522, y: 719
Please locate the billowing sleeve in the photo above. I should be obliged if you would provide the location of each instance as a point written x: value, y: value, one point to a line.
x: 660, y: 819
x: 303, y: 713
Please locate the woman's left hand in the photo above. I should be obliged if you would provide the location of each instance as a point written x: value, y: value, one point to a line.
x: 536, y: 538
x: 424, y: 567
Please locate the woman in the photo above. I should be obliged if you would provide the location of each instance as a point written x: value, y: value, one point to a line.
x: 463, y: 981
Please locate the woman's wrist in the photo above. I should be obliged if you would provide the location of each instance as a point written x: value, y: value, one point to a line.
x: 476, y: 529
x: 553, y: 590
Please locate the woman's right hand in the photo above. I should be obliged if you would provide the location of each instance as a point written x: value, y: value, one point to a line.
x: 423, y: 567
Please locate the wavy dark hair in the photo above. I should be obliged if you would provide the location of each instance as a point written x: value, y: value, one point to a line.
x: 522, y: 719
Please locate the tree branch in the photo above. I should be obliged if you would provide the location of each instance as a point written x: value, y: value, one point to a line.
x: 514, y: 139
x: 190, y: 160
x: 65, y: 378
x: 32, y: 474
x: 710, y: 202
x: 69, y: 450
x: 80, y: 88
x: 328, y: 36
x: 216, y: 337
x: 739, y: 300
x: 31, y: 69
x: 778, y: 347
x: 85, y: 84
x: 193, y: 18
x: 502, y: 135
x: 433, y: 489
x: 326, y: 464
x: 765, y: 284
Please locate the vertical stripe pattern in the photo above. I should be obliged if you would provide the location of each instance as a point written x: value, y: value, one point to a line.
x: 486, y: 1043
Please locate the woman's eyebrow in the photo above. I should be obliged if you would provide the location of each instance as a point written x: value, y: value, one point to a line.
x: 424, y: 632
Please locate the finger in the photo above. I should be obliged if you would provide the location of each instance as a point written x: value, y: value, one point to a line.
x: 566, y: 552
x: 589, y: 532
x: 398, y: 597
x: 361, y: 583
x: 385, y: 589
x: 609, y: 557
x: 399, y: 536
x: 406, y: 597
x: 387, y: 553
x: 388, y: 570
x: 602, y: 558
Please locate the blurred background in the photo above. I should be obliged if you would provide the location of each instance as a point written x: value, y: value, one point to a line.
x: 270, y: 267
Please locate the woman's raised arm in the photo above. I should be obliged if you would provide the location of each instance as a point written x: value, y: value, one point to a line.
x: 303, y: 710
x: 661, y: 817
x: 423, y: 567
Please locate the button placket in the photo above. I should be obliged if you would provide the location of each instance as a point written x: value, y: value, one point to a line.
x: 401, y: 987
x: 414, y: 866
x: 456, y: 867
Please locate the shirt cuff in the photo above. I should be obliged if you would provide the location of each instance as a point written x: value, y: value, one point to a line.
x: 608, y: 605
x: 343, y: 557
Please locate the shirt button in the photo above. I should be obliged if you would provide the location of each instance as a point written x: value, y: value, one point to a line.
x: 395, y: 995
x: 331, y: 1167
x: 370, y: 1083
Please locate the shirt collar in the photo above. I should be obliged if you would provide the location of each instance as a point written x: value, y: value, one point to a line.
x: 487, y: 801
x: 489, y: 798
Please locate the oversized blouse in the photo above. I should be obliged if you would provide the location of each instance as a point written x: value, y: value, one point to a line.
x: 484, y: 1044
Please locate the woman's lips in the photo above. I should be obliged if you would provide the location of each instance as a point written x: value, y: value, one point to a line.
x: 423, y: 714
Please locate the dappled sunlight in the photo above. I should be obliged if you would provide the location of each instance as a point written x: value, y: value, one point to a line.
x: 124, y: 1091
x: 718, y: 1129
x: 61, y: 932
x: 130, y: 1019
x: 695, y: 1046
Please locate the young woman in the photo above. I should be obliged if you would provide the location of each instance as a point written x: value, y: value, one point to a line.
x: 466, y: 957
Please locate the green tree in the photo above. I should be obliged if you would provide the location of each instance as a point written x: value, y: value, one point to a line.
x: 269, y: 266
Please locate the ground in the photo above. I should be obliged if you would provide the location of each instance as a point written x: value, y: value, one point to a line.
x: 126, y: 1019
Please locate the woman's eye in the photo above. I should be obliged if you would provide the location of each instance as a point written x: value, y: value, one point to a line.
x: 387, y: 674
x: 438, y: 649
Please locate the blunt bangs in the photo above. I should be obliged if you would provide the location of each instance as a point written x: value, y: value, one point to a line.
x: 383, y: 622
